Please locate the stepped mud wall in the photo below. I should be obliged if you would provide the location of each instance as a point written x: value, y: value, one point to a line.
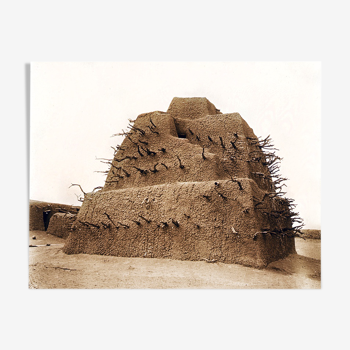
x: 189, y: 184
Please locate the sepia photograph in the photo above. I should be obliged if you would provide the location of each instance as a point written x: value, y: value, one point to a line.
x: 175, y: 175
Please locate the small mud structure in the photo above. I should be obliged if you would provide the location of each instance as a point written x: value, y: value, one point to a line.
x: 189, y: 184
x: 61, y: 224
x: 41, y: 213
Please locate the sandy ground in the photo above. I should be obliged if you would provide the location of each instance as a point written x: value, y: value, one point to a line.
x: 50, y: 268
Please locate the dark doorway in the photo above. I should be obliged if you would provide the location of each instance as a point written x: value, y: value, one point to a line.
x: 181, y: 133
x: 46, y: 217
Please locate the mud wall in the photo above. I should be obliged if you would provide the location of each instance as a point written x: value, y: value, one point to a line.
x: 191, y: 107
x: 185, y: 221
x: 311, y: 234
x: 60, y: 224
x: 215, y: 147
x: 37, y: 209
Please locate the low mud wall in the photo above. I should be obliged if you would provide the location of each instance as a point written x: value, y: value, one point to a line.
x: 311, y: 234
x: 61, y: 224
x: 37, y: 209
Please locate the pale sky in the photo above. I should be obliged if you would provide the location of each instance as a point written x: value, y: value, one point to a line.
x: 76, y: 107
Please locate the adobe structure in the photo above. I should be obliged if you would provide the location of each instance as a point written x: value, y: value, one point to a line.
x: 60, y: 224
x: 40, y: 213
x: 189, y: 184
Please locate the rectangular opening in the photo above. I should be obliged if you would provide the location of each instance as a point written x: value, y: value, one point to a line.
x: 46, y: 218
x: 181, y: 135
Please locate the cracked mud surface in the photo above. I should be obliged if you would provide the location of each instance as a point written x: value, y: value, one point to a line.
x: 50, y: 268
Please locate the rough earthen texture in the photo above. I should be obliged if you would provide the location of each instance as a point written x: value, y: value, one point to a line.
x: 37, y: 209
x: 60, y: 224
x: 311, y: 234
x: 186, y: 185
